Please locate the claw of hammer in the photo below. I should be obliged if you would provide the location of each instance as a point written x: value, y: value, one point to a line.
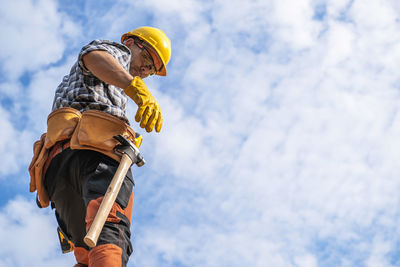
x: 127, y: 147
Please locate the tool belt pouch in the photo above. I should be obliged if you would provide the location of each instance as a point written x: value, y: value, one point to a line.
x: 91, y: 129
x: 96, y: 131
x: 61, y: 124
x: 40, y: 155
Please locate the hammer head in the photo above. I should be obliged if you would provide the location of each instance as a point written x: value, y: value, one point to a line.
x: 128, y: 148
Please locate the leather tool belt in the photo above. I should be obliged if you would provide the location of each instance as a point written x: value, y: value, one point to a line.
x: 67, y: 127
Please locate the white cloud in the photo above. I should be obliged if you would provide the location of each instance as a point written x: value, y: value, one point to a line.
x: 306, y: 261
x: 29, y: 236
x: 379, y: 251
x: 292, y: 23
x: 34, y: 34
x: 339, y: 44
x: 15, y: 147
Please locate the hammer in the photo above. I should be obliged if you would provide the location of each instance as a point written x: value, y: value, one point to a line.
x: 130, y: 155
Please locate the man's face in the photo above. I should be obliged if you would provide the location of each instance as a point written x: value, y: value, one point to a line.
x: 142, y: 64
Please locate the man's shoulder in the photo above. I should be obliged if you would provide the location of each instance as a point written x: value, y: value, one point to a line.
x: 107, y: 43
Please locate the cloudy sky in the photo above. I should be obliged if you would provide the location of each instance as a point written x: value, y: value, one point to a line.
x: 280, y: 144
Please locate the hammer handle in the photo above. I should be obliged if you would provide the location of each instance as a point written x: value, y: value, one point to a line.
x: 108, y: 201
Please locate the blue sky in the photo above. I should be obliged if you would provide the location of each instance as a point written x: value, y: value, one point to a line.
x: 280, y: 138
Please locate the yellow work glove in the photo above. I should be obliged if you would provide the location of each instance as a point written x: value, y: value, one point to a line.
x: 149, y: 112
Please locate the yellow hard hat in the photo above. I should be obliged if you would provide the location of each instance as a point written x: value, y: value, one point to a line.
x: 158, y: 40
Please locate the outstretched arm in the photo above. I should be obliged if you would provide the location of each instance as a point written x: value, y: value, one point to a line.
x: 106, y: 68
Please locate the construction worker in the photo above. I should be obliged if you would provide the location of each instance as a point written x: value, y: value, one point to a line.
x: 74, y: 161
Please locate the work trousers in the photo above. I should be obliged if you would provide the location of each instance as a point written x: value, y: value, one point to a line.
x: 76, y: 181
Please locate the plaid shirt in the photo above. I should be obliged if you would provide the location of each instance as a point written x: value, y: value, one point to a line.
x: 81, y: 90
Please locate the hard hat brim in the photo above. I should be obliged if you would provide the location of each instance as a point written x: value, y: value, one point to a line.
x: 162, y: 72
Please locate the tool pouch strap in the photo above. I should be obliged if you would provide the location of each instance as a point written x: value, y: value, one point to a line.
x: 92, y: 129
